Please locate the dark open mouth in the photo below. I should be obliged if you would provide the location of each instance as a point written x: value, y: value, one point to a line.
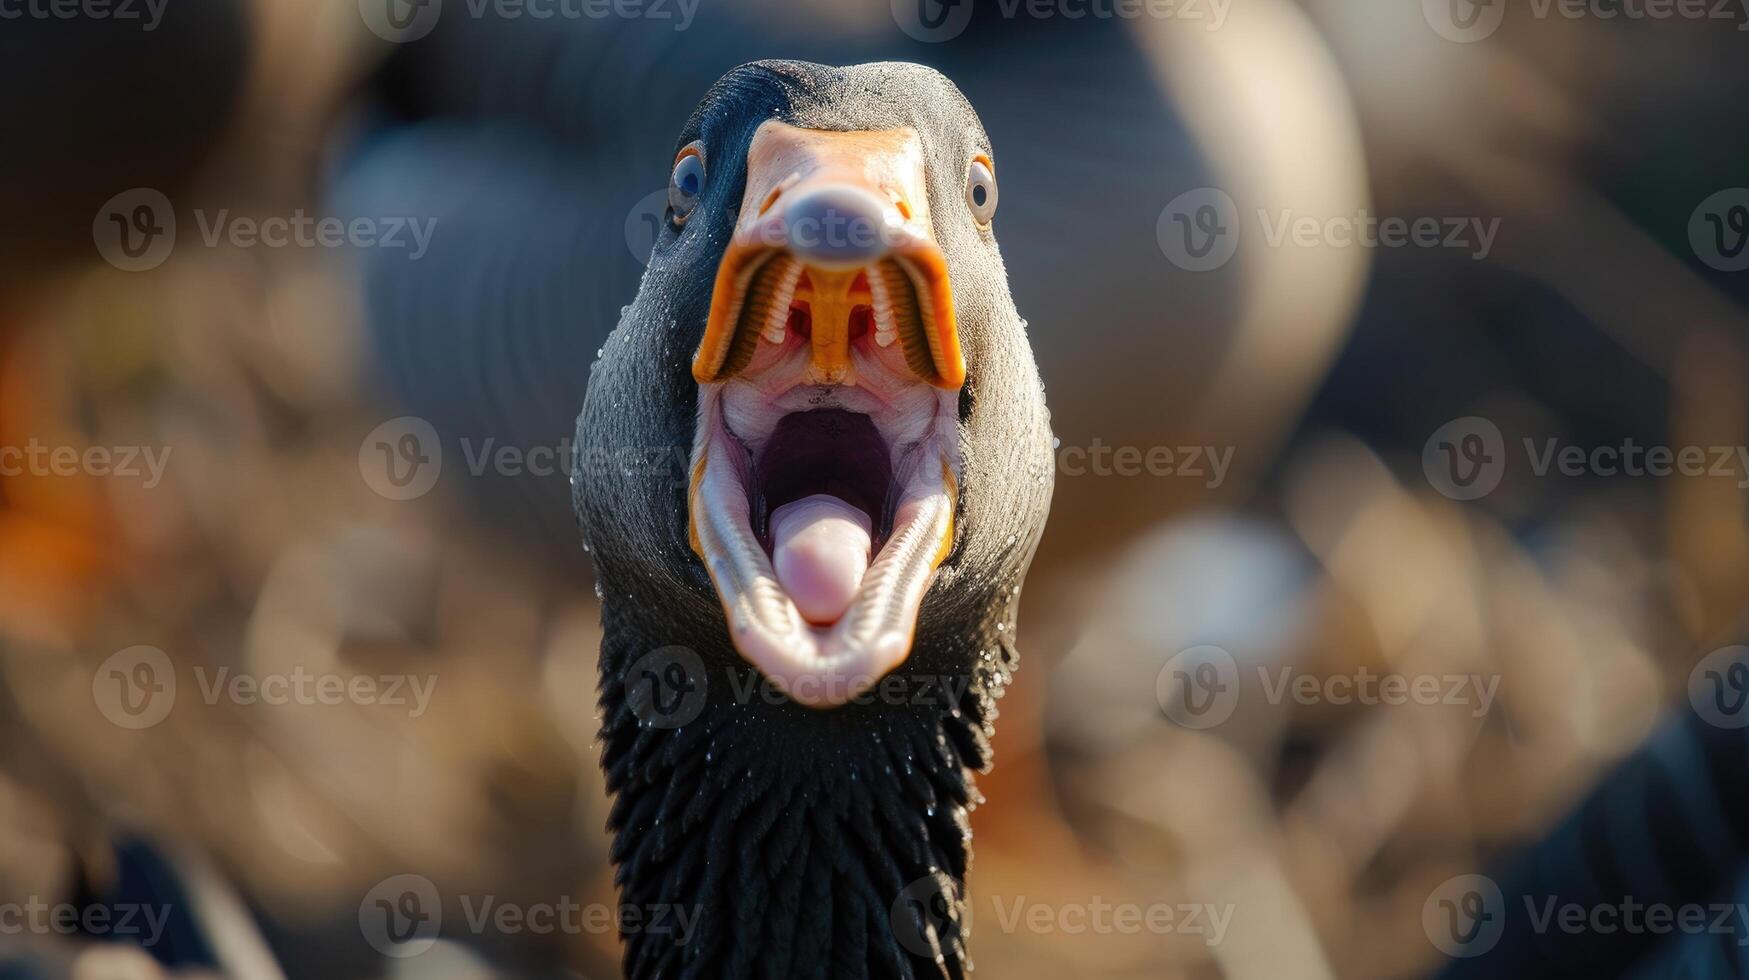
x: 825, y: 452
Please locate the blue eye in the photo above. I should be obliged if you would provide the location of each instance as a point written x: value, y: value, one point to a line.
x: 687, y: 182
x: 981, y: 190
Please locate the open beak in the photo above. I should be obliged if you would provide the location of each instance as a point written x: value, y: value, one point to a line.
x: 825, y: 464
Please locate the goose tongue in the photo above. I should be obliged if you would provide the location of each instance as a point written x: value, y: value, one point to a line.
x: 820, y: 551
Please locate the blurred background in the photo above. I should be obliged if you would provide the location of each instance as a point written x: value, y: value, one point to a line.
x: 1354, y: 320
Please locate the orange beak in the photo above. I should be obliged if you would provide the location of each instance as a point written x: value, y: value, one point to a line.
x: 834, y: 236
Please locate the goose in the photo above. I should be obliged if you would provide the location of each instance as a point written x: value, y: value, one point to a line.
x: 806, y: 628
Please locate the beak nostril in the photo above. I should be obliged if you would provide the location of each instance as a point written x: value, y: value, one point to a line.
x: 777, y: 192
x: 770, y: 199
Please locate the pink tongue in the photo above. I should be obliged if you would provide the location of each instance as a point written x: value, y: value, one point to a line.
x: 820, y: 550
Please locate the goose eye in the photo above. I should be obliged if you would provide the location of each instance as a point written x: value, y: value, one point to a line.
x: 981, y: 191
x: 687, y: 182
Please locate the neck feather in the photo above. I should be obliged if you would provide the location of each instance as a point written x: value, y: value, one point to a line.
x: 776, y: 840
